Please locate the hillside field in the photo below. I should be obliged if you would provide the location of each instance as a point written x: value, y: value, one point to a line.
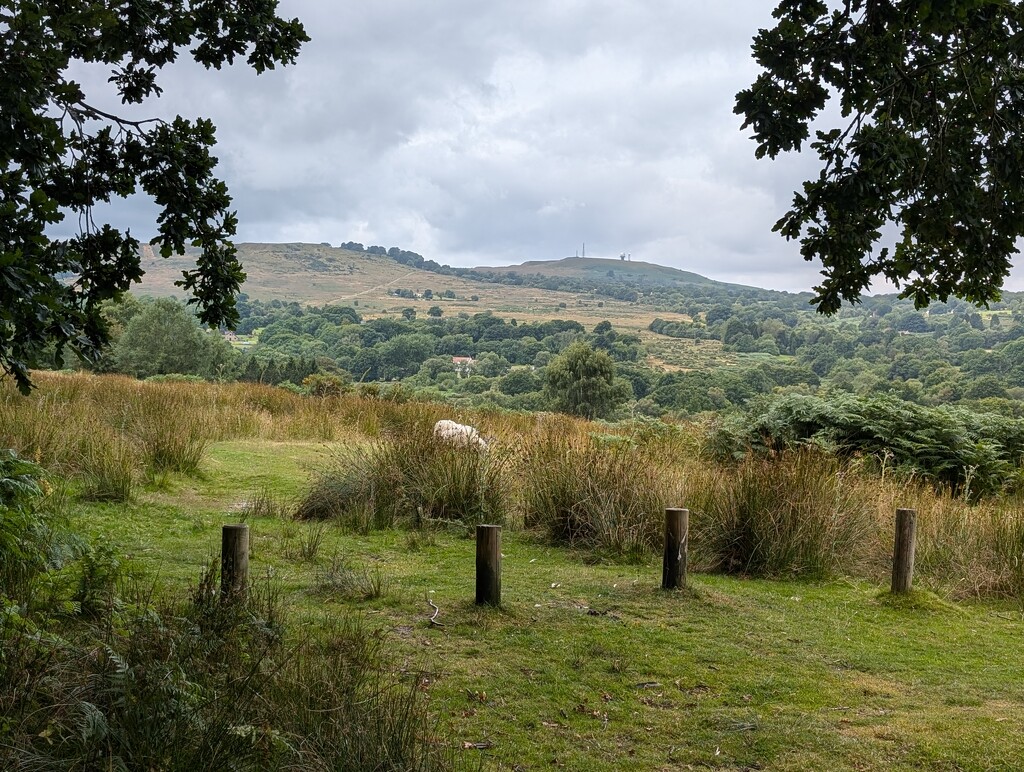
x: 318, y: 274
x: 603, y: 268
x: 588, y: 664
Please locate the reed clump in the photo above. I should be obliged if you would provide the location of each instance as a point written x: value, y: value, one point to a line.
x: 797, y: 514
x: 108, y: 467
x: 170, y: 425
x: 597, y: 492
x: 409, y: 479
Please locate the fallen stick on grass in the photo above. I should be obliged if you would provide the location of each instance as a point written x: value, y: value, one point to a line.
x: 433, y: 619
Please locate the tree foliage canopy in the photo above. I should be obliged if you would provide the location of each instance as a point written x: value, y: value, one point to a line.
x: 165, y: 338
x: 62, y: 156
x: 931, y: 140
x: 580, y: 381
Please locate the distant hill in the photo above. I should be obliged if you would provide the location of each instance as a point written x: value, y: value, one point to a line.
x: 600, y: 269
x: 307, y: 273
x: 319, y: 274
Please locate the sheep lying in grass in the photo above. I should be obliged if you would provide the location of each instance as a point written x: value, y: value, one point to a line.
x: 460, y: 435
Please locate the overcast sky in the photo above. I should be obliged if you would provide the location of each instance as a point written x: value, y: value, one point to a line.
x: 489, y: 133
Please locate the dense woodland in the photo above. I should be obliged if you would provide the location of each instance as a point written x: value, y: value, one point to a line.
x: 711, y: 347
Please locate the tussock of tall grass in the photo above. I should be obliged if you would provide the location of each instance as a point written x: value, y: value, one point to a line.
x: 973, y: 551
x: 263, y: 502
x: 171, y: 427
x: 965, y: 548
x: 305, y: 544
x: 799, y: 514
x: 339, y: 579
x: 107, y: 466
x: 409, y: 479
x: 596, y: 493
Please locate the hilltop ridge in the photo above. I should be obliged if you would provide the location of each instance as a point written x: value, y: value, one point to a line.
x: 604, y: 268
x: 320, y: 272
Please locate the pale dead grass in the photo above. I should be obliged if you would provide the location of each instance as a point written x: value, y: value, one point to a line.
x: 964, y: 549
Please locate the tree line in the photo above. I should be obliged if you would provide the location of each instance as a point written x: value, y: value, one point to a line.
x: 952, y: 355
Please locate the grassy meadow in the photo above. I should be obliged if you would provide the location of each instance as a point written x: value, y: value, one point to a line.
x: 786, y: 651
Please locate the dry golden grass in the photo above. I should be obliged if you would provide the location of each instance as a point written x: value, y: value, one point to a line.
x: 111, y: 433
x: 317, y: 274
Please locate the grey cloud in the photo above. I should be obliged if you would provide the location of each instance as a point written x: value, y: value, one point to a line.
x: 487, y: 133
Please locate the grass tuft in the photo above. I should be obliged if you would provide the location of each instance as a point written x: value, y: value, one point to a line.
x: 108, y: 468
x: 263, y: 503
x: 917, y: 600
x: 339, y: 579
x: 409, y: 479
x: 306, y: 545
x: 800, y: 514
x: 587, y: 492
x: 170, y: 428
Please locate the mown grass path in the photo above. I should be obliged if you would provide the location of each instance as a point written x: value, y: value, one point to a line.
x: 593, y: 667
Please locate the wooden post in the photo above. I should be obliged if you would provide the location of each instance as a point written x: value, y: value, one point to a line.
x: 234, y: 561
x: 903, y: 550
x: 677, y: 533
x: 488, y: 565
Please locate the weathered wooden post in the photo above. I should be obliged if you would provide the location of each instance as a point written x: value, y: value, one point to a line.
x: 234, y: 561
x: 677, y: 532
x: 488, y: 565
x: 903, y: 550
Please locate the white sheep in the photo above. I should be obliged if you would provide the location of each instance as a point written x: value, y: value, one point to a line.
x: 458, y: 434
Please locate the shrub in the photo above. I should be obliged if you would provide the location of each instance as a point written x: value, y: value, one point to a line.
x: 197, y: 684
x: 327, y: 385
x: 971, y: 453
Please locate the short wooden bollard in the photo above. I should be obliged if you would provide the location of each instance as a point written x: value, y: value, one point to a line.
x: 903, y: 550
x: 677, y: 531
x: 234, y: 561
x: 488, y: 565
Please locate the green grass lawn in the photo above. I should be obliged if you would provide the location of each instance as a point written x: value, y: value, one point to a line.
x: 591, y: 666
